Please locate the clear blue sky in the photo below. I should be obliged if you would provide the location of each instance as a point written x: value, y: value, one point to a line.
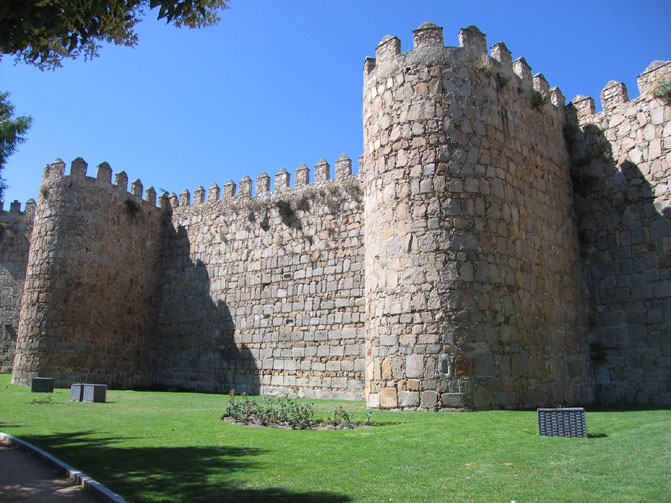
x: 277, y: 84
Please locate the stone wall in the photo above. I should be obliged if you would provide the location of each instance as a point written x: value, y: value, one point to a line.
x: 264, y: 294
x: 15, y: 229
x: 478, y: 260
x: 473, y: 296
x: 90, y: 293
x: 622, y: 173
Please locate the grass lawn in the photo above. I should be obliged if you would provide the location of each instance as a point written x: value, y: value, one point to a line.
x: 151, y: 446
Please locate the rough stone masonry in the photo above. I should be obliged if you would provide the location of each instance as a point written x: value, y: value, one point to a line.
x: 496, y: 249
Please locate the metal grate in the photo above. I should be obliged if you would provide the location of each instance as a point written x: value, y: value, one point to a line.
x: 88, y: 392
x: 568, y: 422
x: 42, y: 385
x: 76, y: 392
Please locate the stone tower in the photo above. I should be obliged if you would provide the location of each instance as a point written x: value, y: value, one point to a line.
x: 473, y: 297
x: 90, y: 293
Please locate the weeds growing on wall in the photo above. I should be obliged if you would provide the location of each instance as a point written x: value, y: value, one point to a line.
x: 538, y: 99
x: 662, y: 89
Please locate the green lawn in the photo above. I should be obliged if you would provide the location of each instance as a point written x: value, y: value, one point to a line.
x: 151, y: 446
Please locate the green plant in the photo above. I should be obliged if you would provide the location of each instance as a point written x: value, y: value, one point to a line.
x: 303, y: 203
x: 662, y: 89
x: 277, y: 411
x: 288, y: 215
x: 44, y: 191
x: 501, y: 80
x: 42, y: 400
x: 240, y: 409
x: 340, y: 418
x: 538, y: 99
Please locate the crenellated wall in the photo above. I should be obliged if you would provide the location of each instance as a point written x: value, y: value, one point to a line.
x: 496, y: 249
x: 622, y: 172
x: 264, y: 294
x: 90, y: 294
x: 15, y: 229
x: 473, y: 297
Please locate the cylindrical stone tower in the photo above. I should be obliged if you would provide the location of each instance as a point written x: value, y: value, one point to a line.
x: 472, y: 293
x: 90, y: 295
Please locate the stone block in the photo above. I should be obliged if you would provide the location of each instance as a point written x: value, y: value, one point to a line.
x: 429, y: 400
x: 414, y: 366
x: 408, y: 398
x: 455, y: 400
x: 373, y: 400
x: 388, y: 398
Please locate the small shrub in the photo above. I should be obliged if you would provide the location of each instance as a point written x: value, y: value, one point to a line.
x: 538, y: 99
x: 662, y: 89
x: 353, y: 189
x: 501, y: 80
x: 44, y: 191
x: 303, y: 204
x: 42, y: 400
x: 333, y: 205
x: 278, y: 411
x: 265, y: 222
x: 341, y: 419
x: 288, y: 215
x: 240, y: 409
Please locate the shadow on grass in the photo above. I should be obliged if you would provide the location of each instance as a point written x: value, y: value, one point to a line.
x: 175, y: 474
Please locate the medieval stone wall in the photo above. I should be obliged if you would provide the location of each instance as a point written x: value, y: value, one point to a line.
x: 15, y: 229
x: 90, y: 293
x: 622, y: 173
x: 478, y: 259
x: 472, y: 287
x: 264, y: 294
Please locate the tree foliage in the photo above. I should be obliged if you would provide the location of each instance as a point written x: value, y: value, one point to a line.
x: 44, y: 32
x: 11, y: 133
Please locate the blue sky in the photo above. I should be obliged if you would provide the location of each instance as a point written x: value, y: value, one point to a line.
x: 277, y: 84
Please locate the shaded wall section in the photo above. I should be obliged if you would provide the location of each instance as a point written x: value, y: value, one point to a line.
x: 622, y: 177
x: 15, y: 229
x: 264, y: 294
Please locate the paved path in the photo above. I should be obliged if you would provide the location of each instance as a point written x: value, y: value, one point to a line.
x: 26, y: 478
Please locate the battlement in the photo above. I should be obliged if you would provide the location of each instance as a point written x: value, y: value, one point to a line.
x: 428, y: 49
x: 614, y: 94
x: 247, y: 190
x: 78, y: 168
x: 15, y: 210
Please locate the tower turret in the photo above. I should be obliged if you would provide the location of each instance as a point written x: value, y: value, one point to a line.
x: 470, y: 241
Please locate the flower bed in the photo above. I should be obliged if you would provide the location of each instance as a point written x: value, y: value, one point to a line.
x: 283, y: 412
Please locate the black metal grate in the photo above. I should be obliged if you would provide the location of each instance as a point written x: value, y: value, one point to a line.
x: 568, y: 422
x: 42, y: 385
